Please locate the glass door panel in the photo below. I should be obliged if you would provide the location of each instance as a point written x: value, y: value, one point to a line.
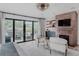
x: 8, y: 31
x: 18, y: 31
x: 28, y: 30
x: 36, y: 29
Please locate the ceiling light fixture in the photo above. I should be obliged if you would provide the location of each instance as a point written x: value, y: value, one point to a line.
x: 42, y: 6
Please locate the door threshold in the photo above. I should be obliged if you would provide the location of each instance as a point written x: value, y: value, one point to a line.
x: 24, y: 41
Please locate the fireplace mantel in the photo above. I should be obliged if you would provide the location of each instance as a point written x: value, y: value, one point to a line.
x: 65, y: 28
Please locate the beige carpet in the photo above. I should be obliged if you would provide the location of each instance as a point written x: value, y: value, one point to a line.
x: 31, y: 49
x: 75, y: 48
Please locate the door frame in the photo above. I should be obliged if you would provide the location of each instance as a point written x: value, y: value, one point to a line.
x: 24, y: 29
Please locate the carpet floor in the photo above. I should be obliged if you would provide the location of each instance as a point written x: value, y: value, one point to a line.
x: 8, y: 49
x: 31, y: 49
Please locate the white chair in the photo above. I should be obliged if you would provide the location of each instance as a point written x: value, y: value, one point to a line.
x: 39, y: 40
x: 59, y: 44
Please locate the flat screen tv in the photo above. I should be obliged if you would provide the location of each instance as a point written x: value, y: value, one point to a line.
x: 64, y: 22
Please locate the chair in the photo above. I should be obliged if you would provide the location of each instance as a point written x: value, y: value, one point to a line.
x: 59, y: 44
x: 40, y: 40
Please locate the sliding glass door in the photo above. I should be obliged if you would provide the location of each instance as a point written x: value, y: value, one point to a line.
x: 18, y: 31
x: 36, y: 29
x: 8, y: 31
x: 28, y: 30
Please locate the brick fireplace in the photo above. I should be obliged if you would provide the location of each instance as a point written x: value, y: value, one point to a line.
x: 67, y: 28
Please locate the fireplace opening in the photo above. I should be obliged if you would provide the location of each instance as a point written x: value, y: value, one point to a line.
x: 65, y: 37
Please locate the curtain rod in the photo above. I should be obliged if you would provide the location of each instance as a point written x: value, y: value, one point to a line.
x: 22, y: 15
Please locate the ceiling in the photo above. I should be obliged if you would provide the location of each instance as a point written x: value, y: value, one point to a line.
x: 30, y: 9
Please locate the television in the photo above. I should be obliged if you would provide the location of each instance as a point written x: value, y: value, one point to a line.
x: 64, y: 22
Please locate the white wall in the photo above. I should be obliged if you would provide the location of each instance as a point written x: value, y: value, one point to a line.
x: 19, y: 17
x: 2, y: 38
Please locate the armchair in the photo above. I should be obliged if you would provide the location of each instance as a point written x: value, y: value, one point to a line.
x: 59, y: 44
